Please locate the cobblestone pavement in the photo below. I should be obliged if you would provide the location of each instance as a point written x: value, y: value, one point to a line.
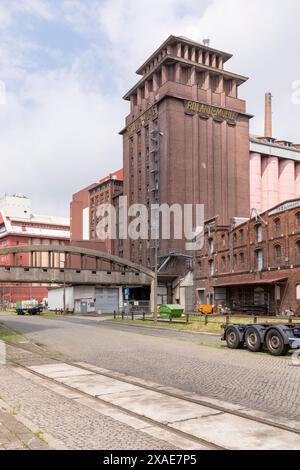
x: 74, y: 425
x: 257, y: 381
x: 15, y: 436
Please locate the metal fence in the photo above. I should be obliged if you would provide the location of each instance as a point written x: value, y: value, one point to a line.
x: 206, y: 319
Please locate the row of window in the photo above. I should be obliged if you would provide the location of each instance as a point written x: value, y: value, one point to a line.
x: 239, y: 260
x: 259, y: 233
x: 103, y: 197
x: 277, y: 227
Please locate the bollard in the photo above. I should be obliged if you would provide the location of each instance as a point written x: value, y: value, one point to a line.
x: 255, y: 320
x: 123, y: 314
x: 227, y: 320
x: 187, y: 318
x: 144, y: 316
x: 170, y: 318
x: 132, y: 315
x: 115, y: 315
x: 206, y: 320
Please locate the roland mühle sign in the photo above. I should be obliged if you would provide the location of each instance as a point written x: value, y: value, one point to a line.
x: 210, y: 110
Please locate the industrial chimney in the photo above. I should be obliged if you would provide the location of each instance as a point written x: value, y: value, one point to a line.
x: 268, y: 115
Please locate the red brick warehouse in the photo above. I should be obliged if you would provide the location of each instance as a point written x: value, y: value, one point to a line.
x: 19, y: 226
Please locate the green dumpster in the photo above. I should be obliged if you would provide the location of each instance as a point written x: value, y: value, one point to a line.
x: 173, y: 311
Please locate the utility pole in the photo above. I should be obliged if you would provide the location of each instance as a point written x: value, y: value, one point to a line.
x: 155, y: 278
x: 155, y: 139
x: 64, y: 295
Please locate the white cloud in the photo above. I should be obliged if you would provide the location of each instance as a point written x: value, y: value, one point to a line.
x: 39, y: 8
x: 59, y: 129
x: 82, y: 15
x: 66, y: 139
x: 263, y: 36
x: 5, y: 18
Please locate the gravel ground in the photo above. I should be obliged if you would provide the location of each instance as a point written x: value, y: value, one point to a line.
x: 256, y: 381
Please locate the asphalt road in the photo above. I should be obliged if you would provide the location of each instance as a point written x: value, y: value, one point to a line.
x: 191, y: 362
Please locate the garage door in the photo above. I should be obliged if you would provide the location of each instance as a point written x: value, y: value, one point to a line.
x: 107, y: 300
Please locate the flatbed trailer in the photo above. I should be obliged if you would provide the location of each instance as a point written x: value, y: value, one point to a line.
x: 277, y: 339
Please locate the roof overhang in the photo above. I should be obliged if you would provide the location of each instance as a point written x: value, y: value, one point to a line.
x: 175, y: 39
x: 273, y: 150
x: 170, y: 58
x: 260, y: 282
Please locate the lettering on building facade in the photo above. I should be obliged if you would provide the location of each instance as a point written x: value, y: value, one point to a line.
x: 285, y: 207
x: 211, y: 111
x: 143, y: 120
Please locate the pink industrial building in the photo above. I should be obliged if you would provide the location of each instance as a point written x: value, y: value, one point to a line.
x: 274, y: 172
x: 274, y: 168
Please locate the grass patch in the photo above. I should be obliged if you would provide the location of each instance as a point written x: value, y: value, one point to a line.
x: 6, y: 334
x: 9, y: 311
x: 15, y: 410
x: 191, y: 327
x: 49, y: 314
x: 40, y: 435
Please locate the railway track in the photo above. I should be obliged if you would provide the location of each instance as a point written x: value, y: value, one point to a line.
x: 168, y: 393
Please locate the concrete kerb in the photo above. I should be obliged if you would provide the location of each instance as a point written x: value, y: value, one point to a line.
x: 53, y: 443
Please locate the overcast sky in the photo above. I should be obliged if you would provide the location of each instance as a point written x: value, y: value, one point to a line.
x: 67, y: 63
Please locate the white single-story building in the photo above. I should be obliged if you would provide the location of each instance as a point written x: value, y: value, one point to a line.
x: 86, y: 299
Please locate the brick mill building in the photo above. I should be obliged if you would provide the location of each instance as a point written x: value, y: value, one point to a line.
x: 252, y: 266
x: 84, y: 213
x: 186, y: 141
x: 20, y: 226
x: 105, y: 192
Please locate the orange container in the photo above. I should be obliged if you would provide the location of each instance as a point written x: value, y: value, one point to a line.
x: 206, y: 309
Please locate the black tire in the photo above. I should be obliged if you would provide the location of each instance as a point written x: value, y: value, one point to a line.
x: 253, y: 340
x: 233, y: 339
x: 275, y: 343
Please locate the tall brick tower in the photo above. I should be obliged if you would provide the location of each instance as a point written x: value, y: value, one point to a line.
x: 186, y: 140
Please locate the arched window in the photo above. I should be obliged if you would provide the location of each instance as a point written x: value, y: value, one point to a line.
x: 278, y: 254
x: 277, y: 225
x: 298, y: 248
x: 242, y: 259
x: 235, y: 261
x: 298, y: 292
x: 298, y: 219
x: 260, y: 260
x: 259, y: 233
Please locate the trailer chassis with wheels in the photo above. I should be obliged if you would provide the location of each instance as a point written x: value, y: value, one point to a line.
x: 277, y: 339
